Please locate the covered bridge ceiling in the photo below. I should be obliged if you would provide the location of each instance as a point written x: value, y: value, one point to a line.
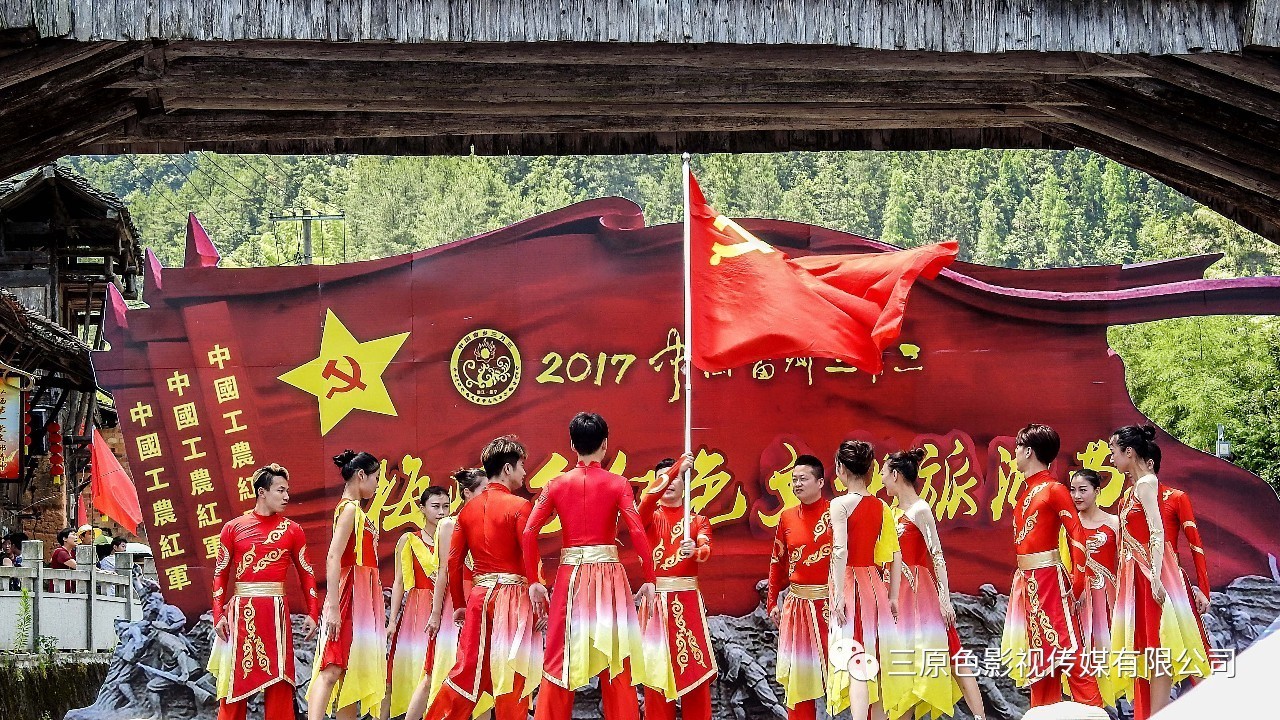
x: 1186, y: 90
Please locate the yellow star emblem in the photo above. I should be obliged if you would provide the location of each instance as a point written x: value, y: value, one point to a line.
x: 348, y: 374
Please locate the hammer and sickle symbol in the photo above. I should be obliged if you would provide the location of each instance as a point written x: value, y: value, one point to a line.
x: 351, y: 379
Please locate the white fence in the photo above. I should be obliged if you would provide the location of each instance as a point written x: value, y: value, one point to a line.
x: 76, y: 608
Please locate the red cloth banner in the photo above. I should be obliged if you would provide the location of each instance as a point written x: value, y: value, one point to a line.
x: 114, y: 494
x: 423, y: 358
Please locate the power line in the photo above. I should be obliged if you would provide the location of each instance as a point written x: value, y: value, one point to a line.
x: 151, y: 185
x: 332, y: 208
x: 204, y: 197
x: 219, y: 183
x: 224, y: 171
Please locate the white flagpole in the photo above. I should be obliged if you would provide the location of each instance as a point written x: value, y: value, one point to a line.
x: 688, y: 342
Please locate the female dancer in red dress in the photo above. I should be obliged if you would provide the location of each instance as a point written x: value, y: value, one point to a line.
x: 409, y: 633
x: 441, y: 626
x: 1101, y: 534
x: 350, y: 672
x: 864, y: 537
x: 1153, y: 621
x: 927, y: 620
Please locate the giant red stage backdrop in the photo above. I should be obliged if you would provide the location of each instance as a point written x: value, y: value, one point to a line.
x: 421, y: 359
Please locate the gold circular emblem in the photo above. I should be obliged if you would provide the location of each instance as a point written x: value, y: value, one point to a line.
x: 485, y: 367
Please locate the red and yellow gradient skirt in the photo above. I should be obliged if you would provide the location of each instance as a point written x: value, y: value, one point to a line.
x: 593, y: 625
x: 1039, y: 628
x: 259, y: 652
x: 1095, y: 631
x: 411, y: 644
x: 359, y: 647
x: 499, y: 629
x: 1139, y: 627
x: 802, y: 643
x: 926, y: 646
x: 677, y: 643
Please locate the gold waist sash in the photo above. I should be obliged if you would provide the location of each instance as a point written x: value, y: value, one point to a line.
x: 1042, y: 559
x: 489, y: 580
x: 809, y: 592
x: 585, y: 554
x: 676, y: 584
x: 259, y: 589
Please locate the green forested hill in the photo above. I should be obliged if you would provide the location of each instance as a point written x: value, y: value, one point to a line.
x: 1017, y: 208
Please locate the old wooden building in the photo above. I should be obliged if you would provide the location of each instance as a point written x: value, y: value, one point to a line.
x: 1186, y: 90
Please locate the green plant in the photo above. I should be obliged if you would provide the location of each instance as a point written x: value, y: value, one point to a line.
x: 22, y: 633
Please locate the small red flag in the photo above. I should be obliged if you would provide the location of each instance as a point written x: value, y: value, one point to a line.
x: 751, y: 302
x: 114, y: 494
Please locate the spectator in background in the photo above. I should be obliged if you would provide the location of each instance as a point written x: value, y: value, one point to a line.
x: 86, y: 534
x: 14, y: 541
x: 107, y: 553
x: 64, y: 556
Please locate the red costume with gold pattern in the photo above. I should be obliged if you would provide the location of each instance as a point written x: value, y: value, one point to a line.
x: 592, y: 629
x: 677, y: 640
x: 1175, y: 511
x: 254, y: 554
x: 801, y: 563
x: 499, y: 651
x: 1040, y: 631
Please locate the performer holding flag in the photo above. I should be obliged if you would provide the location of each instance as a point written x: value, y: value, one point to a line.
x: 592, y: 628
x: 253, y: 640
x: 678, y: 654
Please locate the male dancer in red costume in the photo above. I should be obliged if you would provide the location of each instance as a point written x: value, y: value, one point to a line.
x: 677, y: 640
x: 801, y: 563
x: 591, y: 626
x: 253, y: 644
x: 1041, y: 639
x: 499, y: 650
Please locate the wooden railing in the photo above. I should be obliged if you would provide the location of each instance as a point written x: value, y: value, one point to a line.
x: 45, y: 609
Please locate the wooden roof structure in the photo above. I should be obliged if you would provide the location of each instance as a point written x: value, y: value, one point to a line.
x: 1186, y: 90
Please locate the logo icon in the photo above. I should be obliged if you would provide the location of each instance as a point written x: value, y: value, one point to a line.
x: 850, y: 655
x: 347, y: 374
x: 485, y: 367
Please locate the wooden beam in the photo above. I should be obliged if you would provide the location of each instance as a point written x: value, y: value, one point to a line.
x: 1259, y: 213
x: 1208, y: 83
x: 1185, y: 128
x: 1159, y: 96
x: 62, y: 138
x: 85, y: 75
x: 711, y: 55
x: 611, y: 143
x: 47, y: 57
x: 255, y: 125
x: 1176, y: 149
x: 1255, y: 68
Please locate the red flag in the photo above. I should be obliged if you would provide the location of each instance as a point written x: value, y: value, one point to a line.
x: 751, y: 302
x: 114, y: 494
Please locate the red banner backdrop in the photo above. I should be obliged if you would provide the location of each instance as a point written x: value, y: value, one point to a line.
x: 421, y: 359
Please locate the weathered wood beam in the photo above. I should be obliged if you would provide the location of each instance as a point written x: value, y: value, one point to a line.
x: 1256, y: 68
x: 1212, y: 84
x: 47, y: 58
x: 250, y: 125
x: 1185, y: 128
x: 44, y: 227
x: 668, y: 91
x: 1256, y: 212
x: 612, y: 143
x: 1159, y: 96
x: 87, y: 74
x: 713, y: 56
x: 63, y: 137
x: 1177, y: 149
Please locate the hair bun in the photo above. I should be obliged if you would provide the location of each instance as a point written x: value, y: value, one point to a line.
x: 344, y: 457
x: 918, y: 454
x: 1148, y: 431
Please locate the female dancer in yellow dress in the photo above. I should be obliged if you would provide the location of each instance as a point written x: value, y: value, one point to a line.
x: 1153, y: 623
x: 350, y: 672
x: 1101, y: 548
x: 441, y: 625
x: 863, y: 610
x: 409, y: 635
x: 926, y: 619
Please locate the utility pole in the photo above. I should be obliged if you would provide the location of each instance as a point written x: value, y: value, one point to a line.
x: 305, y: 218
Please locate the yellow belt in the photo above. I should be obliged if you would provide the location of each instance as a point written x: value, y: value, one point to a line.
x: 585, y: 554
x: 676, y: 584
x: 259, y: 589
x: 1042, y: 559
x: 809, y: 592
x: 489, y: 580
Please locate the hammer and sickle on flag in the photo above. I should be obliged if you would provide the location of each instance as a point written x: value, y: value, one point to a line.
x: 750, y: 243
x: 347, y: 374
